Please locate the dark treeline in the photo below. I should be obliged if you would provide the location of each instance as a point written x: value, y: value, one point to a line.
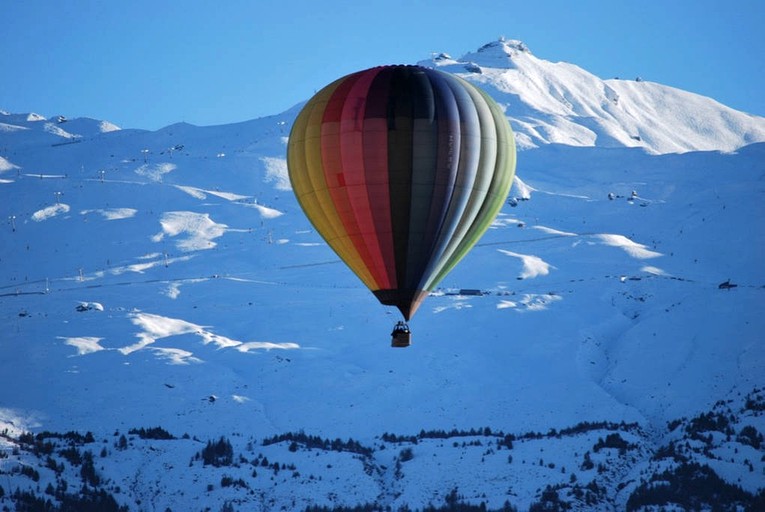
x: 507, y: 439
x: 297, y: 439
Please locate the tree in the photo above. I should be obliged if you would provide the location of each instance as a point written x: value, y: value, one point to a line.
x: 749, y: 435
x: 219, y: 453
x: 88, y: 470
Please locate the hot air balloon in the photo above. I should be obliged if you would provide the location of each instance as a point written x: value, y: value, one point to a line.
x: 401, y: 169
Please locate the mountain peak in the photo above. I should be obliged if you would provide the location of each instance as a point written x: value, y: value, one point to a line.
x: 508, y: 47
x: 561, y: 103
x: 500, y: 54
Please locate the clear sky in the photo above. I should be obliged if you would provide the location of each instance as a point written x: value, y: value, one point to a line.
x: 151, y: 63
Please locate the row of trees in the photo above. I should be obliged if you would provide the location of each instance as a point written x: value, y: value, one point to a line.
x: 297, y: 439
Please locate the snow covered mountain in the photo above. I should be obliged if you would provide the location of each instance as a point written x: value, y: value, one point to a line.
x: 561, y: 103
x: 175, y: 336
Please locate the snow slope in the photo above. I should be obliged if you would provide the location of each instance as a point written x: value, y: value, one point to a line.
x: 169, y: 279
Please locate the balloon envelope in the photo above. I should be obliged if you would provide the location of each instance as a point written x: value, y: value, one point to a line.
x: 401, y: 169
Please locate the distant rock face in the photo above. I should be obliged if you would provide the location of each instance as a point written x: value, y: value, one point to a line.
x: 561, y: 103
x: 503, y: 48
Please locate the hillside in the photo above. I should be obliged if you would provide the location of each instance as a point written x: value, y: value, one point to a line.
x: 165, y: 288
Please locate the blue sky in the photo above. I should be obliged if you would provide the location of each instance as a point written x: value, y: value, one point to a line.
x: 149, y: 63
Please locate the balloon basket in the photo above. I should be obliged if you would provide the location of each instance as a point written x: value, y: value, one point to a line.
x: 401, y: 336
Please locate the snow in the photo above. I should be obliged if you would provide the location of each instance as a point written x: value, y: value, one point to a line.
x: 198, y: 227
x: 276, y: 172
x: 208, y: 305
x: 533, y: 266
x: 50, y: 211
x: 156, y: 327
x: 84, y: 344
x: 521, y: 189
x: 265, y: 212
x: 155, y: 172
x: 5, y: 165
x: 58, y: 131
x: 175, y: 356
x: 202, y: 194
x: 632, y: 248
x: 106, y: 127
x: 5, y: 127
x: 113, y: 213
